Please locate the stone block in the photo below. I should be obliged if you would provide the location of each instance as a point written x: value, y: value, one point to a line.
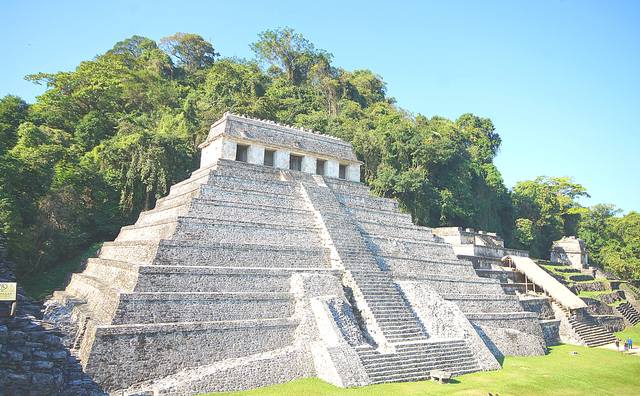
x: 353, y: 172
x: 331, y: 168
x: 255, y: 154
x: 281, y: 159
x: 309, y: 164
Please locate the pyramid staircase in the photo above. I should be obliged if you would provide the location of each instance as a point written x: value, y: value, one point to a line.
x: 409, y: 252
x: 629, y: 312
x: 410, y: 354
x: 413, y: 362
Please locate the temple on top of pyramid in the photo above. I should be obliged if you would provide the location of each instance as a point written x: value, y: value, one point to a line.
x: 271, y: 144
x: 272, y: 262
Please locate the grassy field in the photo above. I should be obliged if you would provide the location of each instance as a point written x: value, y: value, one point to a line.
x: 589, y: 372
x: 42, y: 284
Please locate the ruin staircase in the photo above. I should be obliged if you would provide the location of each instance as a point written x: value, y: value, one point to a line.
x: 629, y: 312
x: 413, y: 354
x: 587, y: 328
x: 413, y: 362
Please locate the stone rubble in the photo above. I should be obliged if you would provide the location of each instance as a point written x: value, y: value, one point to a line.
x: 33, y: 358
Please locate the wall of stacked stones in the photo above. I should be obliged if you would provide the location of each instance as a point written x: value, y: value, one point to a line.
x: 33, y: 358
x: 551, y: 332
x: 541, y: 306
x: 120, y: 357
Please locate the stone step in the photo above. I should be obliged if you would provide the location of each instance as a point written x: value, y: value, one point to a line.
x: 179, y: 278
x: 251, y: 171
x: 420, y: 369
x: 417, y: 354
x: 250, y: 213
x: 452, y: 285
x: 202, y: 253
x: 238, y: 255
x: 411, y: 249
x: 485, y: 302
x: 433, y: 345
x: 119, y: 274
x: 406, y: 363
x: 213, y: 193
x: 413, y: 266
x: 236, y: 183
x: 191, y: 183
x: 100, y: 298
x: 380, y: 214
x: 368, y: 202
x: 247, y: 233
x: 408, y: 232
x: 167, y: 307
x: 176, y: 199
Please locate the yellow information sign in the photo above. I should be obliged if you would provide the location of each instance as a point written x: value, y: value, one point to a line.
x: 8, y: 291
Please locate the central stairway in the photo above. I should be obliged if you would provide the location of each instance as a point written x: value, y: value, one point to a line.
x: 401, y: 349
x: 413, y: 362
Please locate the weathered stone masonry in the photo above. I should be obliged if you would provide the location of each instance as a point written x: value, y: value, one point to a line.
x: 273, y: 262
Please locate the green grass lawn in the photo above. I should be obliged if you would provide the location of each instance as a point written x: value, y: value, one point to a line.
x: 40, y: 285
x: 593, y: 371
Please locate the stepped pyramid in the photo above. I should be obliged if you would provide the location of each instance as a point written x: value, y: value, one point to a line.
x: 273, y: 262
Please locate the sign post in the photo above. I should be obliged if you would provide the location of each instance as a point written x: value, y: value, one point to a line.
x: 8, y: 293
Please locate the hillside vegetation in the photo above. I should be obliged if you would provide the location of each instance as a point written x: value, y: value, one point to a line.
x: 107, y: 139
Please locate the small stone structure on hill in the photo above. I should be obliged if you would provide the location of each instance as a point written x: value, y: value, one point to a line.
x: 273, y: 262
x: 570, y: 251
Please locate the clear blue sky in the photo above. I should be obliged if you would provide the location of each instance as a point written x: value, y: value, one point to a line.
x: 560, y: 79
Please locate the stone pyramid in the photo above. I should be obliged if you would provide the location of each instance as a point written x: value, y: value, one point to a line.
x: 273, y: 262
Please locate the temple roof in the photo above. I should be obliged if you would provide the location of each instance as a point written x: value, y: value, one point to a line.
x: 271, y: 133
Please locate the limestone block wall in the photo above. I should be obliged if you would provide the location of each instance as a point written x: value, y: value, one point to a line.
x: 121, y: 356
x: 216, y: 150
x: 353, y: 173
x: 282, y: 365
x: 203, y: 279
x: 611, y: 323
x: 551, y: 331
x: 171, y: 307
x: 539, y: 305
x: 510, y: 333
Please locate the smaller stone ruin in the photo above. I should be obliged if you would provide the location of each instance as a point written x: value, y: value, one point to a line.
x: 570, y: 251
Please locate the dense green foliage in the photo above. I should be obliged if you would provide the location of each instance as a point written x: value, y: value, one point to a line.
x: 546, y: 209
x: 614, y: 242
x: 104, y: 141
x: 566, y: 370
